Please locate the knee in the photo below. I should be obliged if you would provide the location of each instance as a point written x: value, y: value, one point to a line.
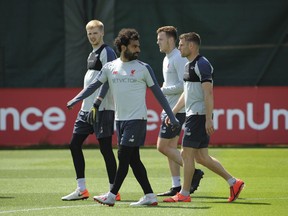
x: 106, y: 150
x: 161, y: 148
x: 200, y: 160
x: 76, y: 142
x: 74, y: 146
x: 183, y: 154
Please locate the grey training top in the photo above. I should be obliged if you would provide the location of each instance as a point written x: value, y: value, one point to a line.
x: 173, y: 71
x: 196, y: 72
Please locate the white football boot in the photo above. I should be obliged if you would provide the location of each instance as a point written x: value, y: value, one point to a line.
x: 77, y: 195
x: 148, y: 199
x: 106, y: 199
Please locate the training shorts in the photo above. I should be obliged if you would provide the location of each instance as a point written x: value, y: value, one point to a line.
x: 131, y: 133
x: 195, y: 135
x: 104, y: 127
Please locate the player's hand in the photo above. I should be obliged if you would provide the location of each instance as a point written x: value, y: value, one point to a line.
x: 175, y: 125
x: 69, y: 105
x: 91, y: 117
x: 167, y: 120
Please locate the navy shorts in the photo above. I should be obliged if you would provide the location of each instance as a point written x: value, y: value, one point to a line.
x: 104, y: 127
x: 166, y: 131
x: 131, y: 133
x: 195, y: 135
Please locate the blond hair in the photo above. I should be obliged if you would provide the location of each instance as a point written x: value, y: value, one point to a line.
x: 95, y: 23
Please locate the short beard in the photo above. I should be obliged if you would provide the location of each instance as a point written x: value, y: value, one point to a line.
x: 129, y: 55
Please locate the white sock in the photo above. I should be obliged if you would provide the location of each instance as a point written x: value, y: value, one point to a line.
x: 231, y: 181
x: 81, y: 183
x: 176, y: 181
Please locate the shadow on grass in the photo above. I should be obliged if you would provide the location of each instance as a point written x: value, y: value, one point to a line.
x: 238, y: 202
x: 164, y: 205
x: 3, y: 197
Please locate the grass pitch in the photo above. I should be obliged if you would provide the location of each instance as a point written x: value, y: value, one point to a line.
x: 32, y: 182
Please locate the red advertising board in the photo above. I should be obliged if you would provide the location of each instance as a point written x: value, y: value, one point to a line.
x: 242, y: 115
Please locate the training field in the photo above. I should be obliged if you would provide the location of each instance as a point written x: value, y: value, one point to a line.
x: 32, y: 182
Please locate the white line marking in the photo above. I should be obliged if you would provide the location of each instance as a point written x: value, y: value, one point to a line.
x: 118, y: 203
x: 55, y: 207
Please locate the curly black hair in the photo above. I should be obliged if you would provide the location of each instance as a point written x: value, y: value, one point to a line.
x: 124, y: 37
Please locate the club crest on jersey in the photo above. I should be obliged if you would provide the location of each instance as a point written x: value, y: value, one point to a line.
x: 115, y: 72
x: 132, y: 72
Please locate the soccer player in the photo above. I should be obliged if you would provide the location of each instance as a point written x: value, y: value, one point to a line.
x: 128, y: 79
x: 173, y: 71
x: 198, y: 101
x: 104, y: 127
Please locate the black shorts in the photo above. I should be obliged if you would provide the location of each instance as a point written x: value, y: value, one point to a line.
x: 166, y: 131
x: 195, y: 135
x: 104, y: 127
x: 131, y: 133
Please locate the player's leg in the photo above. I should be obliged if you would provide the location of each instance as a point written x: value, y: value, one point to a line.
x: 167, y: 144
x: 77, y: 154
x: 187, y: 154
x: 203, y: 157
x: 104, y: 129
x: 236, y: 185
x: 106, y: 150
x: 124, y: 154
x: 168, y: 139
x: 80, y: 132
x: 140, y: 174
x: 79, y: 166
x: 169, y: 148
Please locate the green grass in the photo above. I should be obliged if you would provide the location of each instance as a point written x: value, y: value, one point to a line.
x: 32, y: 182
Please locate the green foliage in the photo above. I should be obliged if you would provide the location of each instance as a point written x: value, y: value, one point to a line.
x: 33, y: 182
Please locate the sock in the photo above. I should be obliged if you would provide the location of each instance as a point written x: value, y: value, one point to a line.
x: 176, y: 181
x: 111, y: 186
x: 231, y: 181
x: 112, y: 195
x: 150, y: 195
x: 185, y: 193
x: 81, y: 183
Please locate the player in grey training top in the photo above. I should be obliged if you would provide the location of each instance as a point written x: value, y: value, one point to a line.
x: 167, y: 142
x: 128, y: 79
x: 198, y: 100
x: 104, y: 128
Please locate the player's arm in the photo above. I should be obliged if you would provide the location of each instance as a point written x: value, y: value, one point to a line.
x: 209, y: 104
x: 173, y: 89
x: 92, y: 115
x: 154, y: 86
x: 106, y: 55
x: 178, y: 87
x: 86, y: 92
x: 164, y: 103
x: 206, y: 70
x: 178, y: 106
